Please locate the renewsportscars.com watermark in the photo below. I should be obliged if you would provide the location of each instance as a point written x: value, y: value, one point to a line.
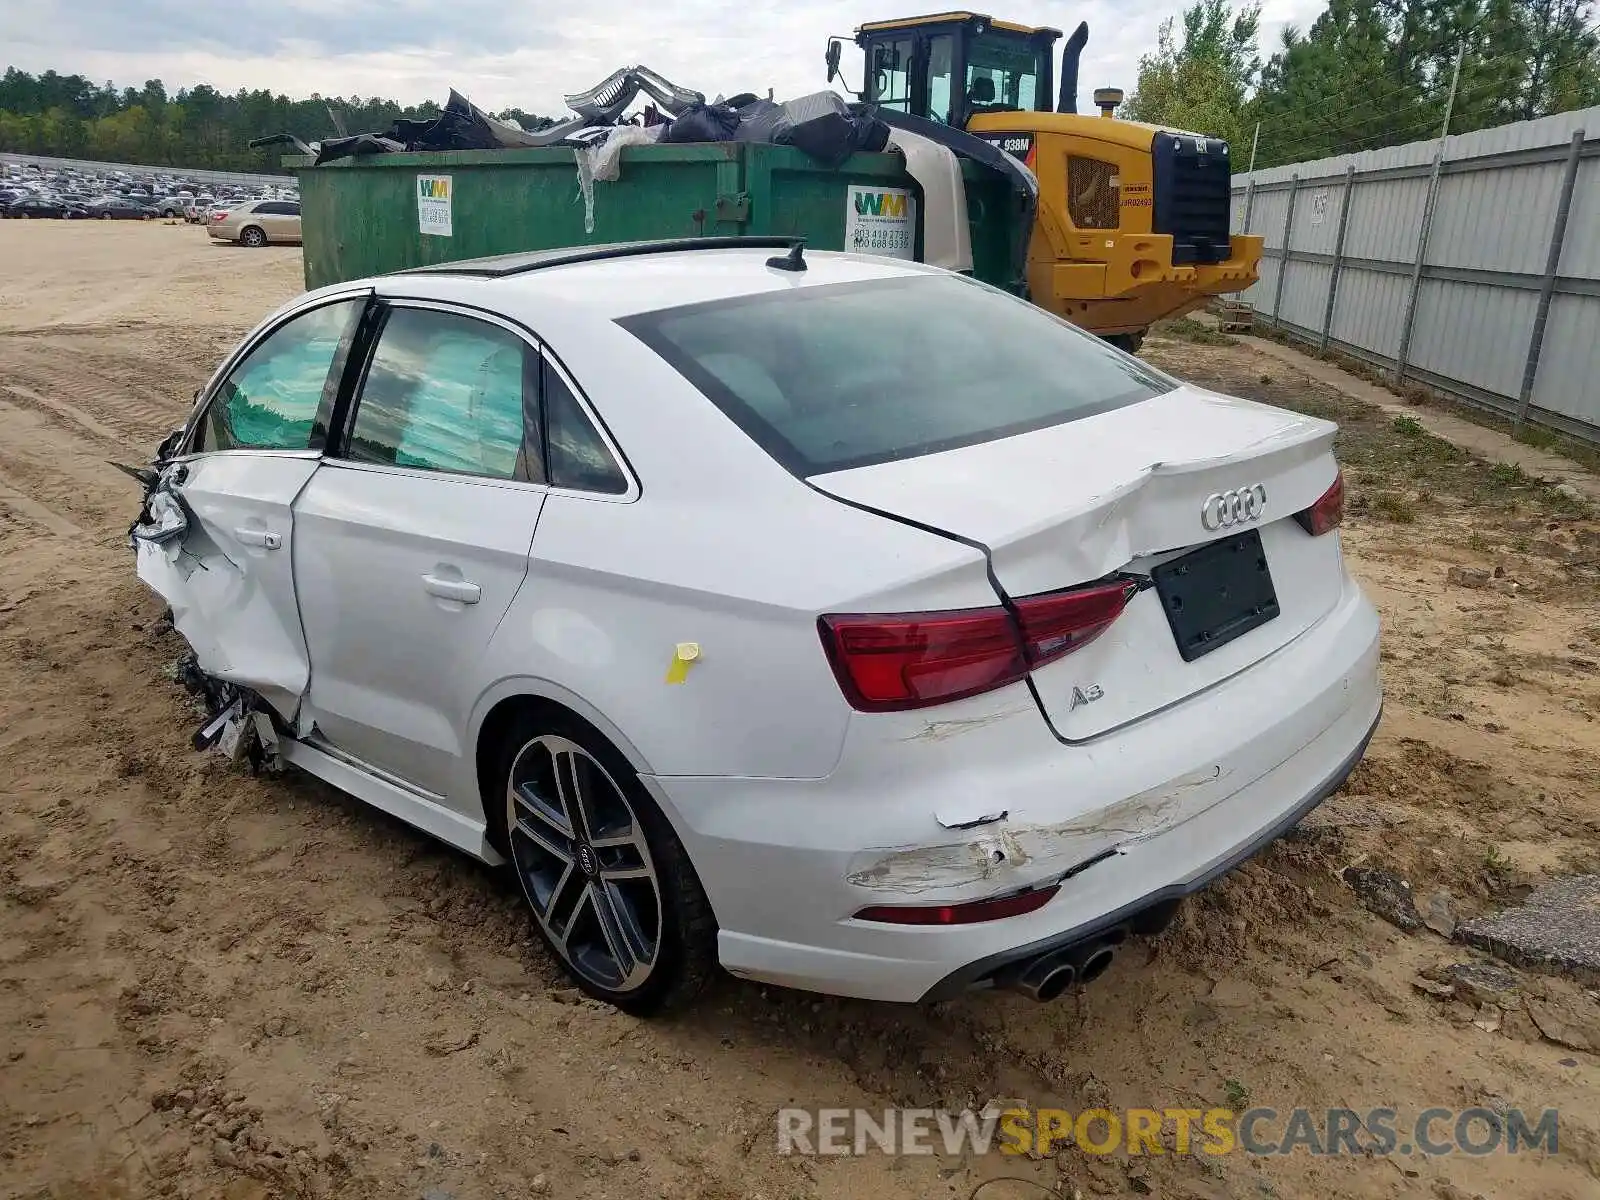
x: 1039, y: 1132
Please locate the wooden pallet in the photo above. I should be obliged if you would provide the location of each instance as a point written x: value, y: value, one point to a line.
x: 1233, y: 316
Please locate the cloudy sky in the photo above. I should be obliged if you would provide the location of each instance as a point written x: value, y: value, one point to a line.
x: 522, y: 53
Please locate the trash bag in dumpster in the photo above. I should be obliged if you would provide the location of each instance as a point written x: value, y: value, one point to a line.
x: 355, y: 146
x: 703, y: 123
x: 462, y: 125
x: 759, y: 120
x: 824, y: 128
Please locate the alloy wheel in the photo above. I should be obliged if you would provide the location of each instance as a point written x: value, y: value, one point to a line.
x: 584, y: 864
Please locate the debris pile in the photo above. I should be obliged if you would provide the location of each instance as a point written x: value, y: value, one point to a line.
x: 823, y: 124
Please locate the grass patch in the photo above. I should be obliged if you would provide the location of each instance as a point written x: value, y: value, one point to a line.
x: 1583, y: 453
x: 1187, y: 329
x: 1392, y: 464
x: 1392, y: 506
x: 1509, y: 475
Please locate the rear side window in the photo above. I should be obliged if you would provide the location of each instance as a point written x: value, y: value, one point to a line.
x: 829, y: 378
x: 446, y: 392
x: 578, y: 455
x: 270, y: 400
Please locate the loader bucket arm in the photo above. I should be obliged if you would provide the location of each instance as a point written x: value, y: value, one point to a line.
x: 1023, y: 181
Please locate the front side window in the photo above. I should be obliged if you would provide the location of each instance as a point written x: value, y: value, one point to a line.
x: 891, y: 74
x: 941, y: 69
x: 1002, y: 74
x: 270, y: 400
x: 446, y: 392
x: 829, y: 378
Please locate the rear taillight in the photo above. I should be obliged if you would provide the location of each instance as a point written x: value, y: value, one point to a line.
x: 1060, y: 622
x: 887, y: 662
x: 892, y: 661
x: 1327, y: 512
x: 969, y: 913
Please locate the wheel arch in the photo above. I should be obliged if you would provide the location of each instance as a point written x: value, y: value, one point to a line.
x: 509, y: 698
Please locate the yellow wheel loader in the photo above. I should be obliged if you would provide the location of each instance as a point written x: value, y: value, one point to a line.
x: 1132, y: 220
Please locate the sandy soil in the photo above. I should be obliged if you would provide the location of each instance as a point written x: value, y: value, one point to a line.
x: 221, y: 986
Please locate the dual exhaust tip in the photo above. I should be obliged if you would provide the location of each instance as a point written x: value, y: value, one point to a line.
x: 1052, y: 975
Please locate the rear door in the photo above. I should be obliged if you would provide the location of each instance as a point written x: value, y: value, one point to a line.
x: 273, y: 217
x: 251, y: 450
x: 414, y: 536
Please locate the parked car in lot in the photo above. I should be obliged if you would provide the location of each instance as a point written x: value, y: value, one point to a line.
x: 837, y: 619
x: 119, y: 208
x: 172, y: 206
x: 257, y: 222
x: 41, y: 207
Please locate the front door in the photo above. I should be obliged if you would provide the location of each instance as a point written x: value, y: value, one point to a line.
x: 412, y: 542
x: 249, y: 456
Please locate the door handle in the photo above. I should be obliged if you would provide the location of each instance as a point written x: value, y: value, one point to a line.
x: 264, y: 538
x: 461, y: 590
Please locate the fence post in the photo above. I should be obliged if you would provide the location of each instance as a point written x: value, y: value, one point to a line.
x: 1283, y: 263
x: 1338, y: 254
x: 1249, y: 202
x: 1547, y: 286
x: 1416, y: 267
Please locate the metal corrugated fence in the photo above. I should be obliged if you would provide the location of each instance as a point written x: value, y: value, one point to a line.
x: 1473, y: 267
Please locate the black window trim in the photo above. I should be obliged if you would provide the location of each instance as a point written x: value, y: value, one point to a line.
x: 330, y: 385
x: 342, y: 418
x: 646, y: 327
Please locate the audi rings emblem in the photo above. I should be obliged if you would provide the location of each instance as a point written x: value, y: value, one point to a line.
x: 1228, y: 510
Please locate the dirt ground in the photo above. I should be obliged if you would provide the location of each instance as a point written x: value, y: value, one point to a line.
x: 213, y: 985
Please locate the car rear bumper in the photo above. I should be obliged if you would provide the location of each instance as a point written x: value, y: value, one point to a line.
x: 984, y: 971
x: 1140, y: 816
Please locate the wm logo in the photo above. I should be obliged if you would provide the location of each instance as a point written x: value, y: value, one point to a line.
x: 880, y: 204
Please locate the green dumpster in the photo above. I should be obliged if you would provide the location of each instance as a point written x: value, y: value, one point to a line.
x: 371, y: 215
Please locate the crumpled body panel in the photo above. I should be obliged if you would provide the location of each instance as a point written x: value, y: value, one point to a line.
x: 227, y: 578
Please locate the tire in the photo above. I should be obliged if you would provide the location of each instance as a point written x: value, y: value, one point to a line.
x: 252, y: 236
x: 627, y: 919
x: 1128, y: 343
x: 105, y: 216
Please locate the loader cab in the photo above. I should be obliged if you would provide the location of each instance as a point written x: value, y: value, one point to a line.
x: 951, y: 66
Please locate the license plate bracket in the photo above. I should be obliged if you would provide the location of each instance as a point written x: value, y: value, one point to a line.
x: 1216, y: 593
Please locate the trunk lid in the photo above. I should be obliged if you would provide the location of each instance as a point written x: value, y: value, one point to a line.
x: 1123, y: 491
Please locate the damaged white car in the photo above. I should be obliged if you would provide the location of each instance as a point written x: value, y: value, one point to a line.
x: 837, y: 620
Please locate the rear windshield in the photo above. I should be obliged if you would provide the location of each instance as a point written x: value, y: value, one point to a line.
x: 828, y: 378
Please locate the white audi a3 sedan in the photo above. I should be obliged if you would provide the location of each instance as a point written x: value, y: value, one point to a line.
x: 836, y: 620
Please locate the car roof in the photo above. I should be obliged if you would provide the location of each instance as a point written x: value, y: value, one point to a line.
x: 644, y: 279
